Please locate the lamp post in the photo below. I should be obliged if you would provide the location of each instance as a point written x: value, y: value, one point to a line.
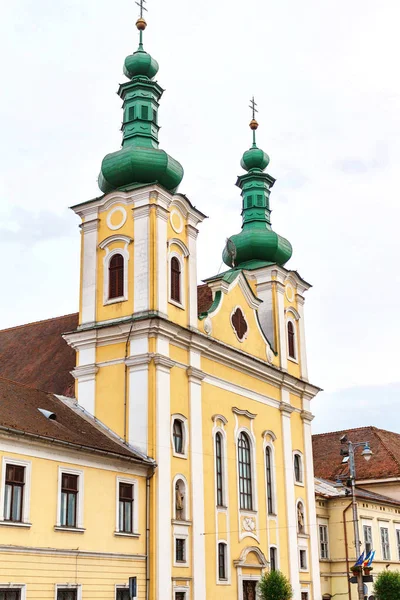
x: 366, y: 453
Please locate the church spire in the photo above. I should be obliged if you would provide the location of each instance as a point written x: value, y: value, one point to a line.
x: 140, y: 161
x: 256, y: 245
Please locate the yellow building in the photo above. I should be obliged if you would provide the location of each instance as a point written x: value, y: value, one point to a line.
x: 208, y: 381
x: 378, y: 507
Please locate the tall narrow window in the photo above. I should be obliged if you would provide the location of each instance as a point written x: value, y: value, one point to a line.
x: 180, y: 550
x: 10, y: 594
x: 175, y: 279
x: 222, y: 561
x: 116, y: 277
x: 245, y: 482
x: 291, y: 342
x: 272, y: 559
x: 14, y: 493
x: 298, y: 470
x: 69, y: 499
x: 219, y: 469
x: 180, y: 595
x: 268, y: 466
x: 126, y: 507
x: 178, y: 436
x: 323, y: 541
x: 385, y: 543
x: 67, y: 594
x: 367, y: 529
x: 398, y: 542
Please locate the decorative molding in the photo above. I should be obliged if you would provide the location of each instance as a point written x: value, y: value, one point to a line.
x: 115, y: 238
x: 268, y: 433
x: 195, y: 375
x: 286, y: 408
x: 241, y: 561
x: 218, y: 417
x: 85, y: 372
x: 176, y: 212
x: 292, y: 311
x: 163, y: 361
x: 306, y: 415
x: 244, y: 412
x: 139, y: 360
x: 116, y: 209
x: 180, y: 244
x: 91, y: 225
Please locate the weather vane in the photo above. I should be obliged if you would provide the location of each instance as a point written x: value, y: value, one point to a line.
x: 253, y: 122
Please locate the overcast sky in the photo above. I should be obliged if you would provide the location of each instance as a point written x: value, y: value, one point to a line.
x: 326, y: 79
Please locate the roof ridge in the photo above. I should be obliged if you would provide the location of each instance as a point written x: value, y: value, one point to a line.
x: 377, y: 432
x: 25, y: 385
x: 37, y: 322
x: 344, y: 430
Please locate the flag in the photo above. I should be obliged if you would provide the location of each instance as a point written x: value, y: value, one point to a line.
x: 360, y: 560
x: 371, y: 558
x: 367, y: 558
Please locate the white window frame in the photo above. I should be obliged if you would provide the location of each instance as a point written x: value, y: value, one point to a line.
x: 294, y: 358
x: 26, y: 498
x: 179, y: 589
x: 172, y: 254
x: 254, y: 494
x: 15, y: 587
x: 275, y: 547
x: 80, y: 504
x: 305, y: 591
x: 397, y: 532
x: 270, y: 445
x: 135, y: 515
x: 369, y: 525
x: 226, y: 581
x: 185, y: 431
x: 120, y: 586
x: 178, y: 477
x: 69, y: 586
x: 301, y: 501
x: 381, y: 528
x: 305, y: 550
x: 182, y: 536
x: 323, y: 523
x: 106, y: 265
x: 300, y: 455
x: 225, y: 498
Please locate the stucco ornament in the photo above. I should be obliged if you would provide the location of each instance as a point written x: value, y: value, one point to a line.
x: 207, y: 326
x: 248, y: 524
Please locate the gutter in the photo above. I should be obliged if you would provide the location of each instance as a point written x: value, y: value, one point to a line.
x: 346, y: 548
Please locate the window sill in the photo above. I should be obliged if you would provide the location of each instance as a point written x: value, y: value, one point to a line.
x: 223, y: 582
x: 303, y: 535
x: 181, y: 522
x: 299, y: 483
x: 293, y: 360
x: 177, y: 304
x: 177, y: 455
x: 126, y: 534
x: 115, y: 300
x: 69, y: 529
x: 178, y: 564
x: 247, y: 511
x: 15, y: 524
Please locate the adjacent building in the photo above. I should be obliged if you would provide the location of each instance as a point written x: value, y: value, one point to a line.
x: 203, y: 389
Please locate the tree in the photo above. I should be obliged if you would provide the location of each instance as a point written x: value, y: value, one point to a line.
x: 275, y: 586
x: 387, y: 585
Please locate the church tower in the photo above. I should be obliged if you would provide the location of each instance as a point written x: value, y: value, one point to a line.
x: 210, y: 380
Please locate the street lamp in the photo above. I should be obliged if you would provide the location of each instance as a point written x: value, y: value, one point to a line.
x: 366, y: 453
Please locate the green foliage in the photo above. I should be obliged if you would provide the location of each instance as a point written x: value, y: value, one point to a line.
x: 387, y: 585
x: 275, y: 586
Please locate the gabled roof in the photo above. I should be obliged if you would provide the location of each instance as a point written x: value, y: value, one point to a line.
x: 384, y: 463
x: 37, y: 355
x: 20, y: 414
x: 328, y: 489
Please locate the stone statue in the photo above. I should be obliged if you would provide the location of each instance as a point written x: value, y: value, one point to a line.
x: 300, y: 518
x: 179, y: 502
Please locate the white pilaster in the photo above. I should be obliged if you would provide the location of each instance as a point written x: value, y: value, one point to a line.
x: 280, y: 290
x: 302, y: 335
x: 286, y: 410
x: 196, y: 455
x: 162, y: 263
x: 312, y: 514
x: 192, y: 275
x: 138, y: 400
x: 86, y: 392
x: 141, y: 251
x: 89, y: 268
x: 163, y: 477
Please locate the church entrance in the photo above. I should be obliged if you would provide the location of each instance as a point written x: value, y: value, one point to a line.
x: 249, y: 590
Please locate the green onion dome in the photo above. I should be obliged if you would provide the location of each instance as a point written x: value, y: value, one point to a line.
x: 140, y: 63
x: 255, y: 158
x: 256, y: 247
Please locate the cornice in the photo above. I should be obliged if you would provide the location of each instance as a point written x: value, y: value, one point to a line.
x: 91, y: 225
x: 163, y: 361
x: 139, y: 212
x: 85, y: 372
x: 307, y: 416
x: 138, y: 360
x: 195, y: 375
x: 161, y: 212
x: 284, y: 407
x: 243, y: 412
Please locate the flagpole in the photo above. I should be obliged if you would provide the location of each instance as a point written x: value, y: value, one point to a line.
x: 360, y: 584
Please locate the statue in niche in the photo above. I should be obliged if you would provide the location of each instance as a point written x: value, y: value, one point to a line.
x: 300, y: 518
x: 179, y: 501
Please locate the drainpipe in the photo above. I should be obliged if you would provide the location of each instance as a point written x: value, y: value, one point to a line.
x: 346, y: 548
x: 148, y: 532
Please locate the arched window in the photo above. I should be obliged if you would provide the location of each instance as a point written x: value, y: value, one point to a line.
x: 219, y: 469
x: 222, y: 570
x: 116, y: 276
x: 175, y: 279
x: 245, y: 482
x: 178, y: 436
x: 291, y: 340
x: 298, y: 469
x: 268, y: 468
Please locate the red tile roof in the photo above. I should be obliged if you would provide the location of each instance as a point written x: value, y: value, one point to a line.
x: 329, y: 489
x: 385, y: 446
x: 37, y: 355
x: 19, y: 413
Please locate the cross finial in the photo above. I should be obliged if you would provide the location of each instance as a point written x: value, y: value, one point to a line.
x: 141, y: 23
x: 253, y: 105
x: 141, y: 5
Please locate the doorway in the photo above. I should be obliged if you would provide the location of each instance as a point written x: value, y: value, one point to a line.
x: 249, y: 590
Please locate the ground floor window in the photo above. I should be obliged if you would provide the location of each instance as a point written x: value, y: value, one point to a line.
x: 10, y: 594
x: 123, y: 594
x: 304, y: 595
x: 180, y: 595
x: 66, y: 594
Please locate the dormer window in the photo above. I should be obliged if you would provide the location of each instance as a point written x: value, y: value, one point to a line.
x: 116, y: 277
x: 175, y: 280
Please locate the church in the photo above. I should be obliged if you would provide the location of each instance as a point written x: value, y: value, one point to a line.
x: 181, y: 454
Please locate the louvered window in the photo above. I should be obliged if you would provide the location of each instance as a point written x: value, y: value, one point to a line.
x: 175, y: 280
x: 367, y: 538
x: 385, y: 543
x: 323, y: 541
x: 116, y: 277
x: 291, y: 341
x: 245, y: 476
